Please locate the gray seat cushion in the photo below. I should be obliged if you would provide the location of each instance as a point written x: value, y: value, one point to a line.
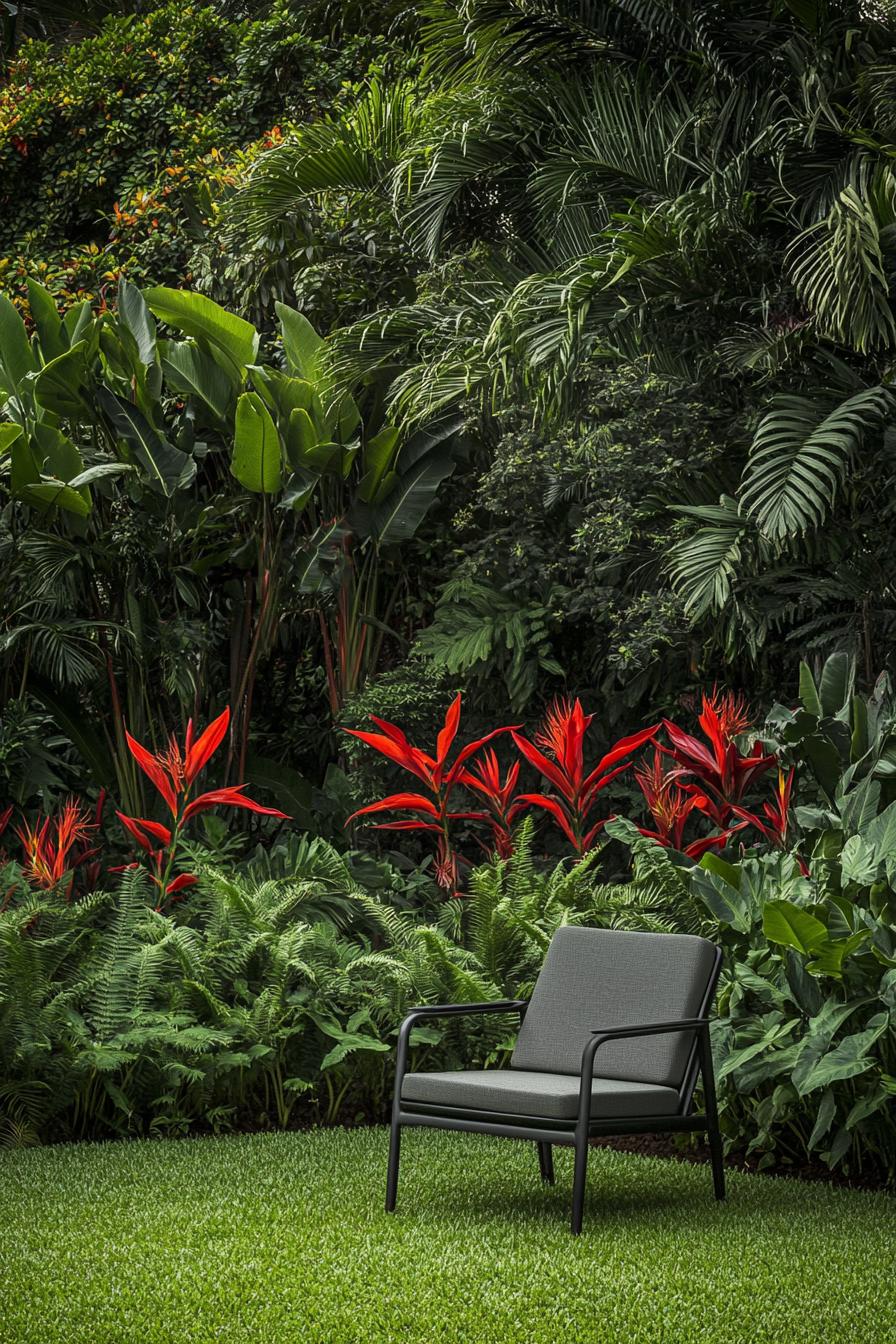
x: 594, y: 978
x: 554, y: 1096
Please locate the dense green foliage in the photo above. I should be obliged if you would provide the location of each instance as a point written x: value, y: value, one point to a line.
x: 517, y: 351
x: 117, y: 149
x: 283, y: 1237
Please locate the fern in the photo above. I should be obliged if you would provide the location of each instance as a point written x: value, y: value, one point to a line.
x: 481, y: 631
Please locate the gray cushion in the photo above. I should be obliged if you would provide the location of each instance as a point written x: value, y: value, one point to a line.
x: 554, y: 1096
x: 594, y: 978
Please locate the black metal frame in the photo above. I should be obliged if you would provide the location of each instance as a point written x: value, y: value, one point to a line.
x: 578, y: 1133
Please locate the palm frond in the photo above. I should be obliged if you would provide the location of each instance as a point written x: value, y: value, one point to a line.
x: 800, y: 454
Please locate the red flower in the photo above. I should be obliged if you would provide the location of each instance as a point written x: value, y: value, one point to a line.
x: 484, y: 777
x: 670, y: 806
x: 54, y: 846
x: 722, y: 771
x: 431, y: 813
x: 174, y: 772
x: 777, y: 812
x: 561, y: 762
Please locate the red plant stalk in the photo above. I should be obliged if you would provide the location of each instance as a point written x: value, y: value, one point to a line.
x: 558, y: 755
x: 174, y: 773
x: 670, y: 806
x: 431, y: 813
x: 54, y: 846
x: 723, y: 773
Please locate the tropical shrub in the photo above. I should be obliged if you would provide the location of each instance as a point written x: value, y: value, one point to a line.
x: 116, y: 149
x: 805, y: 1036
x: 176, y: 502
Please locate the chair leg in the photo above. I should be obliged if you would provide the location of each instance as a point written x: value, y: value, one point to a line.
x: 715, y: 1153
x: 578, y: 1183
x: 394, y: 1160
x: 546, y: 1162
x: 713, y: 1133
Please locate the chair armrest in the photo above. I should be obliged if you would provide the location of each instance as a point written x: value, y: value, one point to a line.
x: 460, y: 1009
x: 600, y: 1036
x: 445, y: 1010
x: 649, y: 1029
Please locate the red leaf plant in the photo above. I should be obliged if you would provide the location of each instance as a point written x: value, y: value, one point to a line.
x: 432, y: 813
x: 777, y: 812
x: 484, y: 778
x: 558, y: 754
x: 723, y: 773
x: 670, y: 806
x: 54, y: 846
x: 174, y: 772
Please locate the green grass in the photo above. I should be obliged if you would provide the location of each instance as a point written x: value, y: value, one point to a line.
x: 281, y: 1238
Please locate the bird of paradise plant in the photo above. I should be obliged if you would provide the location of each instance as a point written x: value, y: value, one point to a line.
x: 174, y: 772
x: 558, y: 754
x: 717, y: 768
x: 54, y: 846
x: 433, y: 813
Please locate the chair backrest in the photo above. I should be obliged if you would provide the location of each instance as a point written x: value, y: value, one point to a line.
x: 597, y: 978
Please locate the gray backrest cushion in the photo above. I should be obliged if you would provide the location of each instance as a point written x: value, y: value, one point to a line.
x: 595, y: 978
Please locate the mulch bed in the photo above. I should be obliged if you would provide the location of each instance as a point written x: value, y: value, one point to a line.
x: 658, y: 1145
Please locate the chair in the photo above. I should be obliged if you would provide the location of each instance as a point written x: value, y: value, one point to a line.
x: 611, y: 1042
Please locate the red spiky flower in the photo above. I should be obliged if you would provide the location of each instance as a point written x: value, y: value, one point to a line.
x: 54, y: 846
x: 484, y: 778
x: 777, y: 812
x: 558, y: 754
x: 670, y: 806
x: 717, y: 768
x: 428, y: 813
x: 174, y: 772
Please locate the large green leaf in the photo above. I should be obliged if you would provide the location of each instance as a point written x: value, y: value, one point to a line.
x: 190, y: 372
x: 59, y: 387
x: 257, y: 454
x: 301, y: 344
x: 137, y: 319
x: 51, y: 333
x: 809, y: 696
x: 379, y: 458
x: 788, y: 924
x: 727, y: 903
x: 16, y: 357
x: 703, y: 567
x: 397, y: 518
x: 8, y: 435
x: 57, y: 494
x: 799, y: 457
x: 848, y: 1059
x: 198, y: 316
x: 165, y: 467
x: 835, y: 686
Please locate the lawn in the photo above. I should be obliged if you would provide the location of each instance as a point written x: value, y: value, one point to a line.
x: 280, y: 1238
